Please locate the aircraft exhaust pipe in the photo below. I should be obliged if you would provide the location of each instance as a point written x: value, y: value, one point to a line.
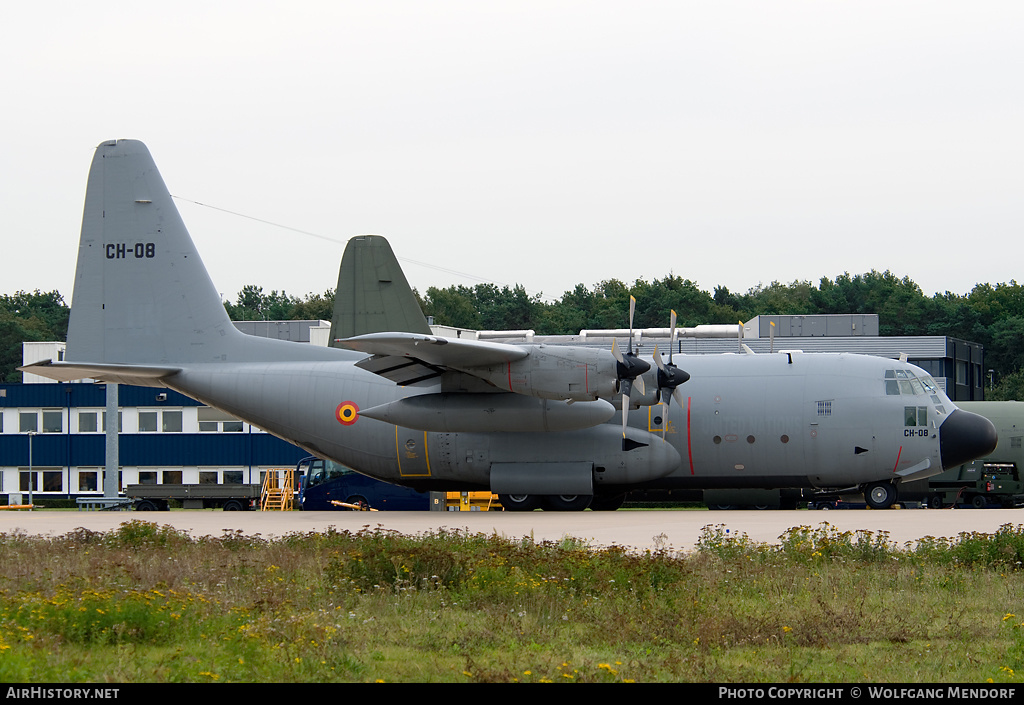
x: 964, y: 436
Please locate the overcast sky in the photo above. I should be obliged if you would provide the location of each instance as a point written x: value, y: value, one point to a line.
x: 539, y: 143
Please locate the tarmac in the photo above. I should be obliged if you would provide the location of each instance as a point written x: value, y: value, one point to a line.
x: 637, y: 530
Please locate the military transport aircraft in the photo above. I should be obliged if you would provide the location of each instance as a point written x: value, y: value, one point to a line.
x: 535, y: 423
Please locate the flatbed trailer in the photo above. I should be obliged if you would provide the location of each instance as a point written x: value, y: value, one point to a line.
x: 231, y: 498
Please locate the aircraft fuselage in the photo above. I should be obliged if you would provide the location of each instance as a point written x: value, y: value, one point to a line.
x: 779, y: 420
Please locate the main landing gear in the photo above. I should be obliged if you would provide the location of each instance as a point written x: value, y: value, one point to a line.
x: 558, y: 502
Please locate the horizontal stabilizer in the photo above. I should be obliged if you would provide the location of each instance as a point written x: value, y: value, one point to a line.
x: 104, y: 372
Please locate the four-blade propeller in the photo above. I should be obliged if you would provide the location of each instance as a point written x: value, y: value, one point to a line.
x: 629, y: 369
x: 669, y: 376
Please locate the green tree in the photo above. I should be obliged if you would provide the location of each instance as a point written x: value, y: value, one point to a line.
x: 24, y: 316
x: 253, y: 305
x: 1007, y: 388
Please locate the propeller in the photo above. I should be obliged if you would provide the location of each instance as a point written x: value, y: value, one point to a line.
x: 628, y: 370
x: 669, y: 376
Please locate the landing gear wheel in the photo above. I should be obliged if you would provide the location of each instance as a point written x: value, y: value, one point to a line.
x: 607, y: 503
x: 566, y: 502
x: 880, y: 495
x: 519, y: 502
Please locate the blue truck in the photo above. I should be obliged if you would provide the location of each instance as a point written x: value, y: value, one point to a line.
x: 324, y: 481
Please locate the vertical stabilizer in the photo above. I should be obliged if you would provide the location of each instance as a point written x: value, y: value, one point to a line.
x: 142, y: 294
x: 373, y: 295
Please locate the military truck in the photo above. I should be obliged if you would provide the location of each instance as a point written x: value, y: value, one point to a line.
x: 977, y: 484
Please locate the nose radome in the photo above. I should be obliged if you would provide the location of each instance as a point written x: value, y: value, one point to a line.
x: 964, y: 436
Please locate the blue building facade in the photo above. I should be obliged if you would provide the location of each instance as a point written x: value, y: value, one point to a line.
x: 53, y: 442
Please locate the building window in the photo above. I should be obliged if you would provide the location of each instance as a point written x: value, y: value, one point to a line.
x: 87, y: 481
x: 53, y: 481
x: 2, y: 420
x: 28, y: 422
x: 88, y: 422
x: 172, y: 477
x: 207, y: 477
x: 216, y: 421
x: 147, y: 477
x: 120, y: 422
x: 120, y: 480
x: 172, y: 422
x: 147, y: 422
x: 233, y: 477
x: 26, y: 479
x: 53, y: 421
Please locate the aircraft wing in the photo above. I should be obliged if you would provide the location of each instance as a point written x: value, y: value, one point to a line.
x: 104, y: 372
x: 405, y: 358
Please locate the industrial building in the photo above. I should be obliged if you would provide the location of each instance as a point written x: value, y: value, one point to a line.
x: 52, y: 435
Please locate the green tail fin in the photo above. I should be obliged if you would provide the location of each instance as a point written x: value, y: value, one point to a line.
x: 373, y: 295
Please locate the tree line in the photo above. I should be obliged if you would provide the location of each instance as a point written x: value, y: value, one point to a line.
x: 992, y: 315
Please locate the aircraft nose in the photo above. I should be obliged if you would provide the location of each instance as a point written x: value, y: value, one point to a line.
x: 964, y: 436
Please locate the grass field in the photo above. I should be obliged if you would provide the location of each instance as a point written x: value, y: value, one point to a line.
x: 147, y: 603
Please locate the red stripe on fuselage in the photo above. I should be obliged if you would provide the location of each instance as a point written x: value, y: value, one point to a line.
x: 898, y: 453
x: 689, y: 446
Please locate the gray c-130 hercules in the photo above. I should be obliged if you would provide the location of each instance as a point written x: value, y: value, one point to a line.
x: 535, y: 423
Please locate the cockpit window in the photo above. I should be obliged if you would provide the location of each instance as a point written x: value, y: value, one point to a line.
x: 915, y: 416
x: 906, y: 382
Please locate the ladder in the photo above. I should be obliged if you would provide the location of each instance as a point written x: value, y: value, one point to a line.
x: 278, y: 492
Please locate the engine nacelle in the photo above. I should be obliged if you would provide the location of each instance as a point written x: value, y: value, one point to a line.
x: 555, y: 372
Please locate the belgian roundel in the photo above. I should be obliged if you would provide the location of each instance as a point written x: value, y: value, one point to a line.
x: 347, y: 413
